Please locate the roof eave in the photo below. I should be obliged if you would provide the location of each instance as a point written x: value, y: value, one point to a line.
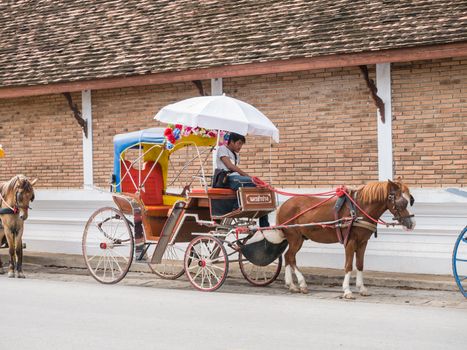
x: 271, y: 67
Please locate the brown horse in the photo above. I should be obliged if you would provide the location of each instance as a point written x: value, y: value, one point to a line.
x: 15, y: 196
x: 373, y: 198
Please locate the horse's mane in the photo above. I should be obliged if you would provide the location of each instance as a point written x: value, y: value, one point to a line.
x: 9, y: 185
x: 373, y: 192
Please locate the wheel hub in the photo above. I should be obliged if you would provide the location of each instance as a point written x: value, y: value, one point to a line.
x: 202, y: 263
x: 105, y: 245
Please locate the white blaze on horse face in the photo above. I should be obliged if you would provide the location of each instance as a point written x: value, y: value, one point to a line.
x: 412, y: 224
x: 23, y: 214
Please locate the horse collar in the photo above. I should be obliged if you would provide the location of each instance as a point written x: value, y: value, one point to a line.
x: 4, y: 211
x: 9, y: 209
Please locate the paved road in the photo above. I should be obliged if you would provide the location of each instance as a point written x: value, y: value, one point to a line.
x: 57, y: 310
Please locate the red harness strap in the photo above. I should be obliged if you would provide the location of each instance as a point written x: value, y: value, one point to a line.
x: 339, y: 192
x: 343, y: 237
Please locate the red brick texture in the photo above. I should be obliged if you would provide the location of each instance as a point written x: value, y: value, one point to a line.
x: 326, y: 118
x: 430, y: 122
x: 41, y: 139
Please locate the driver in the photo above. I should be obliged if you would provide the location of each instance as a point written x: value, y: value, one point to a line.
x: 228, y: 159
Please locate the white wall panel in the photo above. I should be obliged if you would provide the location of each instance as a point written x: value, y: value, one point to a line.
x: 58, y: 218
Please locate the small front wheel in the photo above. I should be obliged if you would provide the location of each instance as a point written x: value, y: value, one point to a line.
x: 259, y: 276
x: 108, y: 245
x: 206, y: 263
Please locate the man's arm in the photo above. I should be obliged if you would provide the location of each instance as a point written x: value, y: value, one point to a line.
x: 228, y: 163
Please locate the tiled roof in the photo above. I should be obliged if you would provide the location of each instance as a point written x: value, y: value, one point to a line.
x: 49, y: 41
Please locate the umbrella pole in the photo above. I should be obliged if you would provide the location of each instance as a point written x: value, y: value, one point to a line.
x: 214, y: 153
x: 270, y: 160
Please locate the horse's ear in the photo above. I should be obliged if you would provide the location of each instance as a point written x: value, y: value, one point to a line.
x: 399, y: 179
x: 393, y: 185
x: 33, y: 182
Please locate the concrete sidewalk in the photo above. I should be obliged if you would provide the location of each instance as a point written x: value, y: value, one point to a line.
x: 317, y: 276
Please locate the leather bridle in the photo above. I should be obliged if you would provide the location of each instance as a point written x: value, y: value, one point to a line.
x: 12, y: 209
x: 396, y: 206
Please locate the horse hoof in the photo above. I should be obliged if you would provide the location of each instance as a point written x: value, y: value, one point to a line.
x: 304, y: 290
x: 364, y: 292
x: 294, y: 289
x: 20, y: 275
x: 2, y: 271
x: 348, y: 295
x: 11, y: 274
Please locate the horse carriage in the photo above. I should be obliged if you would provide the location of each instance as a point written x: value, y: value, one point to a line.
x: 197, y: 230
x: 200, y: 231
x: 459, y: 261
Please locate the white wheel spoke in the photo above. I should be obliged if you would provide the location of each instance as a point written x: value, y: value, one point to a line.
x: 198, y: 272
x: 106, y: 226
x: 217, y: 267
x: 191, y: 268
x: 213, y: 274
x: 116, y: 263
x: 99, y: 262
x: 119, y: 254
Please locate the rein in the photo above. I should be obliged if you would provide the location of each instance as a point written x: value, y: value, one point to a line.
x: 9, y: 209
x: 339, y: 192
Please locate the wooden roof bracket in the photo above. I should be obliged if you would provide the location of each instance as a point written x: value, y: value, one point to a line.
x: 374, y: 92
x: 199, y: 86
x: 77, y: 114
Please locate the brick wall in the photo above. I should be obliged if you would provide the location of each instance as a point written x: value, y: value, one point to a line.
x: 326, y: 119
x: 41, y: 139
x: 327, y: 127
x: 430, y: 122
x: 124, y: 110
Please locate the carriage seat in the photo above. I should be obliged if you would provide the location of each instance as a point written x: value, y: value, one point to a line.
x: 157, y: 210
x: 211, y: 191
x: 154, y: 185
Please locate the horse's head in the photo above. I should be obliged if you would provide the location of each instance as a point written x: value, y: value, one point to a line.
x: 398, y: 201
x: 18, y: 193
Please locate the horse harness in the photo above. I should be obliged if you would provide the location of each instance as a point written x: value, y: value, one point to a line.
x: 343, y: 235
x: 10, y: 210
x: 398, y: 205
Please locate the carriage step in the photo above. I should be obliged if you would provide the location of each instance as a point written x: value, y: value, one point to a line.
x: 169, y: 228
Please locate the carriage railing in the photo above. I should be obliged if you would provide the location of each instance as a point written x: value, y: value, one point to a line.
x: 141, y: 184
x: 202, y: 178
x: 137, y: 160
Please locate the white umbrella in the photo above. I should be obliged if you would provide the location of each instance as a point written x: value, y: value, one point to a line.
x: 219, y: 113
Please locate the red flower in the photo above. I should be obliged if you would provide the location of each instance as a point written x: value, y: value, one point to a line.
x: 171, y: 138
x: 179, y: 126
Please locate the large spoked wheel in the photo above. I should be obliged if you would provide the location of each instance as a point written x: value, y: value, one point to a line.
x: 259, y: 276
x: 108, y: 245
x: 459, y: 262
x: 172, y: 265
x: 206, y: 263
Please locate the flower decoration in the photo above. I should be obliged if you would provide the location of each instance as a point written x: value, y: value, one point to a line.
x: 173, y: 133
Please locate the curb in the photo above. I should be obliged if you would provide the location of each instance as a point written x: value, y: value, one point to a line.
x: 319, y: 276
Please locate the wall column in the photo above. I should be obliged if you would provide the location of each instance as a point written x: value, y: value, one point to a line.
x: 216, y: 90
x: 385, y: 160
x: 88, y: 180
x: 216, y: 87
